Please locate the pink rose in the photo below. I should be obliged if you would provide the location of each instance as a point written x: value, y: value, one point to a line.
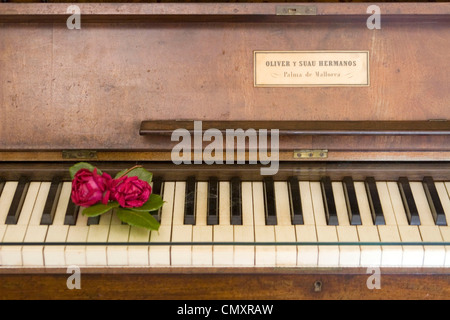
x: 130, y: 192
x: 89, y: 188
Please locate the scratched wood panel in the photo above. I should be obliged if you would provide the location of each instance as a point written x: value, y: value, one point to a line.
x: 91, y: 88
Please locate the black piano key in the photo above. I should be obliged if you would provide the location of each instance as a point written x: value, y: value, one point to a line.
x: 351, y: 201
x: 437, y: 210
x: 52, y: 201
x: 236, y: 201
x: 269, y: 201
x: 189, y: 202
x: 2, y: 185
x: 71, y: 216
x: 93, y: 221
x: 17, y: 202
x: 157, y: 189
x: 295, y: 202
x: 328, y: 202
x: 374, y: 202
x: 412, y: 213
x: 213, y: 201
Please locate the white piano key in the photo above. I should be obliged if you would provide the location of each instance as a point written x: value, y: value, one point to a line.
x: 223, y: 255
x: 201, y: 232
x: 265, y: 255
x: 434, y: 256
x: 341, y: 205
x: 12, y: 254
x: 33, y: 255
x: 138, y: 255
x: 55, y: 255
x: 2, y: 234
x: 286, y: 255
x: 28, y: 205
x: 63, y: 202
x: 38, y: 208
x: 57, y: 232
x: 159, y: 255
x: 244, y: 255
x: 426, y: 218
x: 328, y: 254
x: 412, y: 255
x: 445, y: 234
x: 307, y: 256
x: 167, y: 208
x: 202, y: 255
x: 181, y: 254
x: 367, y: 232
x: 307, y: 205
x: 96, y: 254
x: 118, y: 254
x: 76, y: 254
x: 349, y: 255
x: 392, y: 255
x: 444, y: 196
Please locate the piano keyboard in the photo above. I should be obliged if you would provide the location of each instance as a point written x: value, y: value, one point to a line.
x: 235, y: 224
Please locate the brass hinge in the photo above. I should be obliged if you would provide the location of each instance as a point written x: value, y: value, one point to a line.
x: 310, y: 154
x: 296, y: 10
x: 79, y: 154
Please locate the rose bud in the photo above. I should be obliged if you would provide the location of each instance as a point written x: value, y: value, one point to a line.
x: 89, y: 188
x: 130, y: 192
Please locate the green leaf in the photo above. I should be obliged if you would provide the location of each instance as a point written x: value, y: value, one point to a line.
x: 153, y: 203
x: 99, y: 208
x: 82, y: 165
x: 139, y: 172
x: 138, y: 219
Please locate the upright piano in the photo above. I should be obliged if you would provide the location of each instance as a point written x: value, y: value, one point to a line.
x: 337, y: 169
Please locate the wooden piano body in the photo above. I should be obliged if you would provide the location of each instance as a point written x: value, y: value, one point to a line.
x: 112, y: 92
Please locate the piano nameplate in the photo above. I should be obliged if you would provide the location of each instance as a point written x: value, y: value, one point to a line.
x: 311, y: 68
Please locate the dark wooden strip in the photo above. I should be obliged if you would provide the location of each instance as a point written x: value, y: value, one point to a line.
x: 374, y: 201
x: 17, y: 202
x: 304, y: 171
x: 213, y: 201
x: 270, y: 201
x: 190, y: 200
x: 412, y: 214
x: 328, y: 202
x: 236, y: 201
x: 166, y: 127
x: 295, y: 201
x: 52, y: 201
x: 351, y: 201
x: 437, y: 210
